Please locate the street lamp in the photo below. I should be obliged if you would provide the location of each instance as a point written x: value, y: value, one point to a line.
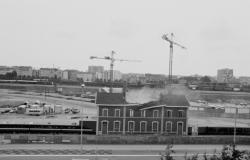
x: 81, y: 126
x: 235, y: 120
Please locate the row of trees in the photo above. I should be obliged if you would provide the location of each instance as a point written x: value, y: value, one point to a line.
x: 229, y: 152
x: 9, y: 76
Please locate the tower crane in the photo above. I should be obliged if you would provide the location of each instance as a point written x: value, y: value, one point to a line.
x: 172, y: 43
x: 112, y: 61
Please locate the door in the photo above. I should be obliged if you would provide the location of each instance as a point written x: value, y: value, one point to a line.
x: 105, y: 127
x: 179, y: 128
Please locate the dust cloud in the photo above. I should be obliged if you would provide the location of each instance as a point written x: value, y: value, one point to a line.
x: 147, y: 94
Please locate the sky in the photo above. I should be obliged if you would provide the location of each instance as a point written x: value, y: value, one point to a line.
x: 65, y: 33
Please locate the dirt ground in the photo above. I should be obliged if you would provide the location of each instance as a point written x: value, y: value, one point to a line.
x: 12, y: 98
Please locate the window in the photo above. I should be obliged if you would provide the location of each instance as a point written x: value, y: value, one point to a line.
x: 131, y: 126
x: 143, y: 113
x: 117, y: 112
x: 117, y: 126
x: 105, y: 112
x: 143, y: 126
x: 169, y: 113
x: 180, y: 113
x: 131, y: 113
x: 155, y: 126
x: 168, y: 126
x: 155, y: 113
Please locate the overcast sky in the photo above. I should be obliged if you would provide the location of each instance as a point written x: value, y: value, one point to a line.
x: 65, y: 33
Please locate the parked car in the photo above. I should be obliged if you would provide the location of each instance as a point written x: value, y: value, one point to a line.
x: 67, y: 110
x: 75, y: 110
x: 5, y: 111
x: 13, y: 111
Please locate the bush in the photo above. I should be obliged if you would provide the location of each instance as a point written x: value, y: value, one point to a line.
x: 229, y: 152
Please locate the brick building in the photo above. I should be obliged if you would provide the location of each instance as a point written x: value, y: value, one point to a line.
x: 167, y: 116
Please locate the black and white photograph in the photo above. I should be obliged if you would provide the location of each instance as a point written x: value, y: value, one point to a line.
x: 124, y: 80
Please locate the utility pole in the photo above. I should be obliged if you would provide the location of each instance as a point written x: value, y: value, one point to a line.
x: 112, y: 71
x: 112, y: 61
x: 81, y: 125
x: 172, y: 43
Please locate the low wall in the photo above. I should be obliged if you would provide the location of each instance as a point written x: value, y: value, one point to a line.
x: 116, y: 139
x: 194, y: 113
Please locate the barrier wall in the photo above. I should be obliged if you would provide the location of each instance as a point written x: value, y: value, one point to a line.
x: 112, y: 139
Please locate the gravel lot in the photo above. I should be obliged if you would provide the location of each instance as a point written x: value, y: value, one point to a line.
x: 87, y: 109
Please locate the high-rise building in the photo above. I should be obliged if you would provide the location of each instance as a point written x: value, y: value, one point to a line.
x: 95, y: 69
x: 225, y: 75
x: 97, y: 72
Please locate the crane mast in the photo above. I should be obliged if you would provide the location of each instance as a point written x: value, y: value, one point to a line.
x: 112, y: 61
x: 172, y: 43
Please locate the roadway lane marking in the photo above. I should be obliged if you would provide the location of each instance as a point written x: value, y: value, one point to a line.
x: 100, y: 155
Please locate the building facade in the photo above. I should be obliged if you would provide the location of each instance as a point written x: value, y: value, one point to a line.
x: 4, y: 70
x: 95, y: 69
x: 72, y: 74
x: 117, y: 75
x: 244, y: 80
x: 225, y: 75
x: 134, y: 78
x: 167, y: 116
x: 35, y: 73
x: 65, y: 75
x: 23, y: 71
x: 50, y: 73
x: 85, y: 76
x: 155, y: 77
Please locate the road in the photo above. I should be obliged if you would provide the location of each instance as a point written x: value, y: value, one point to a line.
x: 107, y: 152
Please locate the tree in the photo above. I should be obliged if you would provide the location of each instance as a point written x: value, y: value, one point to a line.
x: 205, y: 79
x: 11, y: 75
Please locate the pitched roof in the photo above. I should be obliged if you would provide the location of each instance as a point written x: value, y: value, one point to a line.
x: 168, y: 100
x: 110, y: 98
